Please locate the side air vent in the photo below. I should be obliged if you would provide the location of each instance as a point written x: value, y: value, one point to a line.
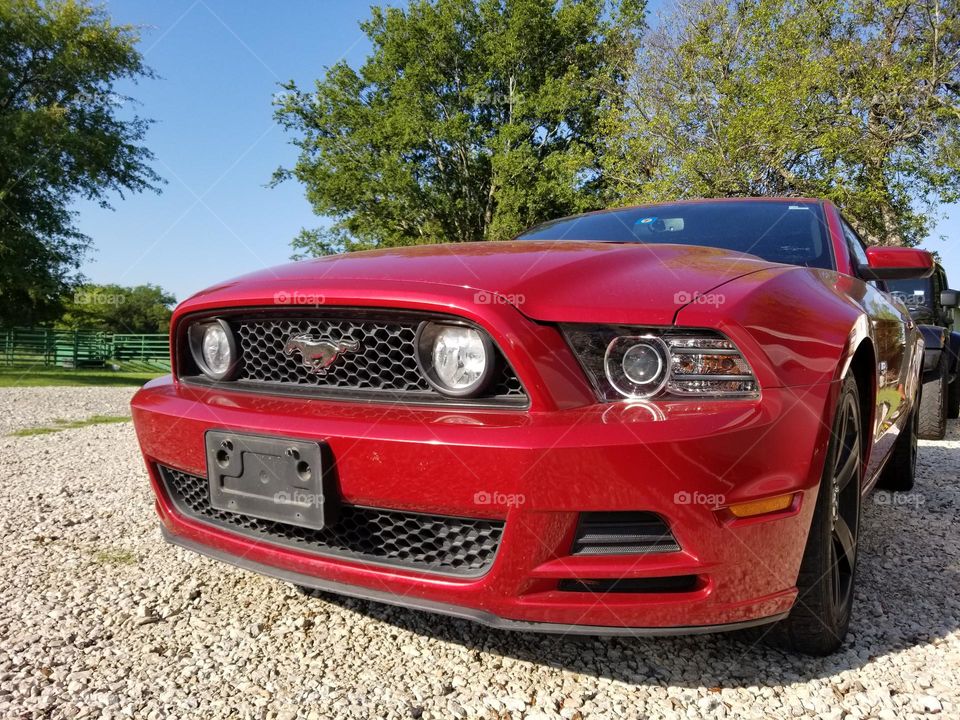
x: 622, y: 533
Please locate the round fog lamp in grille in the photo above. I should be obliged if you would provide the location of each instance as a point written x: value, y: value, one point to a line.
x: 457, y: 360
x: 214, y: 348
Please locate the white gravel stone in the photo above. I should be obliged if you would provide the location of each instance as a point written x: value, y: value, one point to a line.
x: 99, y: 618
x: 35, y: 406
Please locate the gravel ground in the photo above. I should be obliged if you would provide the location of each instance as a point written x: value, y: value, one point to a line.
x: 99, y: 618
x: 33, y: 406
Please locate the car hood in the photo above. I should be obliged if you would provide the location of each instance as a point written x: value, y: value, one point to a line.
x: 547, y: 281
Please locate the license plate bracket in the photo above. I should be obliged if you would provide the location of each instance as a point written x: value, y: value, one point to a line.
x: 272, y: 478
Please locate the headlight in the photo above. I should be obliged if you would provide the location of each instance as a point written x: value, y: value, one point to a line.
x: 709, y: 366
x: 636, y: 366
x: 625, y: 362
x: 456, y: 359
x: 213, y: 348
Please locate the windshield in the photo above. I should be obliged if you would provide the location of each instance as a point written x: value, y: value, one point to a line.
x: 913, y: 293
x: 785, y: 232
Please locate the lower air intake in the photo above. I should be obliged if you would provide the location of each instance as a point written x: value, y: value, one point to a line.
x: 622, y: 533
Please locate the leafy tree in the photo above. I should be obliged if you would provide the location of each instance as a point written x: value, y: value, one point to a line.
x: 113, y: 308
x: 470, y: 120
x: 61, y: 138
x: 854, y: 100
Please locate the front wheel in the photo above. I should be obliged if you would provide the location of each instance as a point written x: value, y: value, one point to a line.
x: 820, y: 617
x: 933, y: 403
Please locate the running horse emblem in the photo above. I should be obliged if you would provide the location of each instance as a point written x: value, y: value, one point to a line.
x: 318, y: 355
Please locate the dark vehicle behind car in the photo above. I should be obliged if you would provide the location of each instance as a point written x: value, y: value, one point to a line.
x: 932, y: 305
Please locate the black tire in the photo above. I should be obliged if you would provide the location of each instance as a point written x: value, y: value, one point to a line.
x: 818, y: 622
x: 953, y: 396
x: 933, y: 403
x: 901, y: 469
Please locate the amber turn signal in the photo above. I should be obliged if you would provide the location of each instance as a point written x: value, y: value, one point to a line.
x: 762, y: 507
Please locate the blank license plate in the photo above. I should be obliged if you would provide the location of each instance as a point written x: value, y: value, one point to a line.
x: 267, y: 477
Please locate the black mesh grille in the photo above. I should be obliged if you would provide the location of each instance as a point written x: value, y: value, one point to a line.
x: 385, y: 358
x: 437, y: 543
x: 380, y: 359
x: 619, y: 533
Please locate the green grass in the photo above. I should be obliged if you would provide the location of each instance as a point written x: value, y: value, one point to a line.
x: 59, y: 425
x: 115, y: 557
x: 40, y: 377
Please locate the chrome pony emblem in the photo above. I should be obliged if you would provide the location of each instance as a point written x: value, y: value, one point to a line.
x: 317, y: 355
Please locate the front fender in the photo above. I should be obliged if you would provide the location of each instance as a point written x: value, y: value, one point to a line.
x: 797, y: 326
x: 934, y: 342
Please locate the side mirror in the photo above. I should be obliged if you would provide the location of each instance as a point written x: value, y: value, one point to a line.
x: 886, y: 263
x: 948, y: 298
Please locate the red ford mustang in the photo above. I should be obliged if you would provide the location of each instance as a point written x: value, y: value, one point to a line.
x: 649, y: 420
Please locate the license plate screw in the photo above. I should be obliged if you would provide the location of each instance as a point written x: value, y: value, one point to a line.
x: 223, y: 454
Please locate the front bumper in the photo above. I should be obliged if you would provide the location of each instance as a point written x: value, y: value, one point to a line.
x: 684, y: 461
x: 440, y: 608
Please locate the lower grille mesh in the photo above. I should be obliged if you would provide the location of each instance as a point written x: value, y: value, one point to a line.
x: 436, y: 543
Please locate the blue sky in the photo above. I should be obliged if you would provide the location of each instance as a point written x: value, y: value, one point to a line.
x: 219, y: 64
x: 216, y: 144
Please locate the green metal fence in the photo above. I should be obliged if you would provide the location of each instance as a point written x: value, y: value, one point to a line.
x: 80, y: 348
x: 151, y: 351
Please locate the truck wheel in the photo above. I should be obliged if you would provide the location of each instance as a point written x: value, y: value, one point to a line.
x: 820, y: 617
x: 953, y: 396
x: 901, y: 469
x: 933, y: 403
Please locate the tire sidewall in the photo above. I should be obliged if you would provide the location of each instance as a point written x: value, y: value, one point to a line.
x: 933, y: 405
x: 840, y: 616
x: 816, y: 626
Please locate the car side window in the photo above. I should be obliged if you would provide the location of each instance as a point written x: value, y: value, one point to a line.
x: 854, y: 243
x: 858, y: 251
